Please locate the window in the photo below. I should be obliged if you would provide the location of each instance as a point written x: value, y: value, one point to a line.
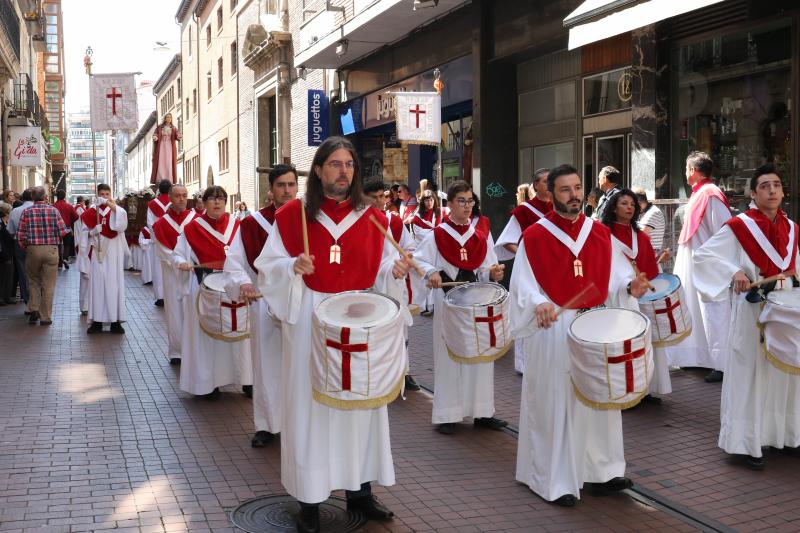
x: 208, y: 35
x: 234, y: 58
x: 194, y: 101
x: 222, y: 152
x: 190, y: 42
x: 219, y: 19
x: 233, y: 5
x: 219, y: 73
x: 187, y: 105
x: 610, y: 91
x: 208, y: 84
x: 178, y: 83
x: 310, y: 8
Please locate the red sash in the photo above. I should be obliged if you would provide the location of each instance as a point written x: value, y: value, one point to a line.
x: 208, y: 248
x: 645, y: 256
x: 475, y: 246
x: 89, y: 219
x: 254, y: 236
x: 525, y: 215
x: 159, y: 205
x: 164, y: 232
x: 697, y: 205
x: 777, y: 233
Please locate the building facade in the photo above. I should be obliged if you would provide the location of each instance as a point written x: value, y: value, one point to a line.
x: 139, y: 156
x: 81, y: 161
x: 52, y: 87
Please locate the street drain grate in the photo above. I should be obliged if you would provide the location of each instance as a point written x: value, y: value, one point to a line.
x: 275, y: 514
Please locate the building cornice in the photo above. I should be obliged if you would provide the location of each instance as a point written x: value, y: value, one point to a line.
x: 168, y: 72
x: 149, y: 123
x: 183, y: 9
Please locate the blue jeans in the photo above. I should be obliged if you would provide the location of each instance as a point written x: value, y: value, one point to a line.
x: 19, y: 265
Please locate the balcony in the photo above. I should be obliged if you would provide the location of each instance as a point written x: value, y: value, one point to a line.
x: 26, y: 100
x: 10, y: 22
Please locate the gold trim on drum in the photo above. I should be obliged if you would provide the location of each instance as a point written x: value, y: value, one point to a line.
x: 414, y: 309
x: 672, y: 342
x: 774, y: 361
x: 349, y: 405
x: 480, y: 358
x: 218, y: 336
x: 606, y: 406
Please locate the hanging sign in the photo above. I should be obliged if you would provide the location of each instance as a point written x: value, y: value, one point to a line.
x: 317, y: 117
x: 26, y: 148
x: 419, y: 117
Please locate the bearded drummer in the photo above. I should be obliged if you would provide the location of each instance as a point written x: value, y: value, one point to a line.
x: 563, y: 443
x: 207, y: 362
x: 759, y: 404
x: 456, y: 251
x: 240, y: 284
x: 620, y: 215
x: 324, y: 448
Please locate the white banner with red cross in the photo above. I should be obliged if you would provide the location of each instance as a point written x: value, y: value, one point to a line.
x: 113, y: 102
x: 419, y: 117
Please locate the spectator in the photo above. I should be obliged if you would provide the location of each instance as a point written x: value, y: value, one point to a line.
x: 652, y: 220
x: 591, y: 201
x: 609, y: 180
x: 40, y: 232
x: 69, y: 216
x: 242, y: 211
x: 395, y: 192
x: 9, y: 197
x: 523, y: 193
x: 19, y: 253
x: 7, y: 295
x: 408, y: 204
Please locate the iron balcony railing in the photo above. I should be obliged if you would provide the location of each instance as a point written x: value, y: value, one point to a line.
x: 10, y: 22
x: 26, y: 100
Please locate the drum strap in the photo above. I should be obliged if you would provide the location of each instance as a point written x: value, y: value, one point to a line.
x: 463, y: 275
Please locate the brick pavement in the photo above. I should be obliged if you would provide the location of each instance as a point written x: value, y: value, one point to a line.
x: 95, y: 436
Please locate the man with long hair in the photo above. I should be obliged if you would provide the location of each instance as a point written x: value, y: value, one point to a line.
x: 324, y: 448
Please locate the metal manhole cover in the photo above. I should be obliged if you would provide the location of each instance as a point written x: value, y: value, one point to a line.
x: 275, y: 514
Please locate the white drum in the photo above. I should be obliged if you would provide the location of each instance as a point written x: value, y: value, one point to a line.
x: 358, y: 356
x: 669, y: 317
x: 475, y: 322
x: 220, y: 317
x: 780, y: 320
x: 611, y: 361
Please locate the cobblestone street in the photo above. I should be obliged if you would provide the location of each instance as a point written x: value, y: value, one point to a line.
x: 96, y: 436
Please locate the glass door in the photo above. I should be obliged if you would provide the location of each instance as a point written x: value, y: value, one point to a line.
x: 612, y: 150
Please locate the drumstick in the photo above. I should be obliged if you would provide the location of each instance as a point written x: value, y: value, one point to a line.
x: 403, y: 253
x: 770, y: 279
x: 305, y: 227
x: 453, y: 283
x: 577, y: 298
x: 662, y: 255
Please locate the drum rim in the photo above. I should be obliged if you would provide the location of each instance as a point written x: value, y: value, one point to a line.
x: 203, y: 281
x: 499, y: 301
x: 680, y: 285
x: 779, y: 304
x: 362, y: 291
x: 640, y: 334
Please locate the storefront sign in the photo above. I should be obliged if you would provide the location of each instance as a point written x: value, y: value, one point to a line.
x: 317, y: 117
x: 26, y: 148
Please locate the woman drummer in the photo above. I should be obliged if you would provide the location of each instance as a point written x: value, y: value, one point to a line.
x: 208, y: 362
x: 620, y: 215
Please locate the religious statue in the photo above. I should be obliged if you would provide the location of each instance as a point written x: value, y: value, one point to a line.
x: 165, y: 151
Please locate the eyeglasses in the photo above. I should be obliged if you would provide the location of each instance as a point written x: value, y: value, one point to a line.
x: 464, y: 203
x: 219, y: 198
x: 340, y: 165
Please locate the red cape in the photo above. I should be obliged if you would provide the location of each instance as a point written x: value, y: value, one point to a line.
x: 525, y: 217
x: 254, y: 236
x: 552, y: 262
x: 208, y: 249
x: 475, y: 246
x: 165, y: 233
x: 646, y: 257
x: 696, y: 207
x: 776, y: 232
x: 157, y: 210
x: 89, y: 219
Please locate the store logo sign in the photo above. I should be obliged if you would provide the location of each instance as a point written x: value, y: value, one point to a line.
x: 317, y: 117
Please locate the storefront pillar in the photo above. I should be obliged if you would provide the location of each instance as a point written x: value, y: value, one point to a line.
x: 648, y: 114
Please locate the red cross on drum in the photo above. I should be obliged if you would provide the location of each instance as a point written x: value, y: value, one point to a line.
x: 475, y: 323
x: 220, y: 317
x: 669, y: 316
x: 611, y: 357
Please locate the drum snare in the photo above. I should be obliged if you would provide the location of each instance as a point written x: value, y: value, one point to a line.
x: 780, y: 325
x: 220, y: 317
x: 475, y: 322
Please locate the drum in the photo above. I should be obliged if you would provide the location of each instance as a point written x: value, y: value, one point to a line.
x: 780, y: 320
x: 358, y: 355
x: 670, y: 319
x: 220, y: 317
x: 611, y: 357
x: 475, y: 322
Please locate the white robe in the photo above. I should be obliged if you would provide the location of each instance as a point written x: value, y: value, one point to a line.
x: 322, y: 448
x: 206, y: 363
x: 147, y: 251
x: 510, y: 235
x: 265, y: 341
x: 173, y: 305
x: 460, y: 390
x: 83, y: 263
x: 153, y: 261
x: 562, y: 443
x: 107, y: 278
x: 707, y: 345
x: 760, y: 404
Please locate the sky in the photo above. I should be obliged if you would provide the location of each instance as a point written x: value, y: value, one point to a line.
x: 123, y: 35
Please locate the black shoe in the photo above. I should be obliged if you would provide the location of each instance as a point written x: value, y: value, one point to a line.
x: 715, y: 376
x: 754, y: 463
x: 655, y: 400
x: 567, y: 500
x: 148, y: 283
x: 446, y: 429
x: 213, y: 395
x: 370, y: 507
x: 490, y: 423
x: 28, y: 313
x: 247, y: 390
x: 45, y: 322
x: 613, y: 485
x: 411, y: 384
x: 116, y: 327
x: 66, y: 266
x: 261, y: 439
x: 33, y: 318
x: 159, y: 302
x: 307, y: 520
x: 84, y: 313
x: 96, y: 327
x: 427, y: 313
x: 175, y: 361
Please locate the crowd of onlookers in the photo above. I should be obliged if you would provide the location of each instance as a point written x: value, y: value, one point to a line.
x: 35, y: 241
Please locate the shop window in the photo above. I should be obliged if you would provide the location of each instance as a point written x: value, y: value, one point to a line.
x: 607, y: 92
x: 551, y: 104
x: 552, y: 155
x: 732, y: 99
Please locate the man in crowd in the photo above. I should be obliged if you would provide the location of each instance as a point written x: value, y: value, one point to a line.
x: 155, y: 210
x: 166, y: 231
x: 706, y: 213
x: 408, y: 203
x: 106, y: 224
x: 651, y: 220
x: 69, y: 216
x: 19, y: 252
x: 609, y: 179
x: 563, y: 444
x: 40, y: 232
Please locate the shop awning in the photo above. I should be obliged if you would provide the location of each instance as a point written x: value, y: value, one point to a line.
x: 595, y: 20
